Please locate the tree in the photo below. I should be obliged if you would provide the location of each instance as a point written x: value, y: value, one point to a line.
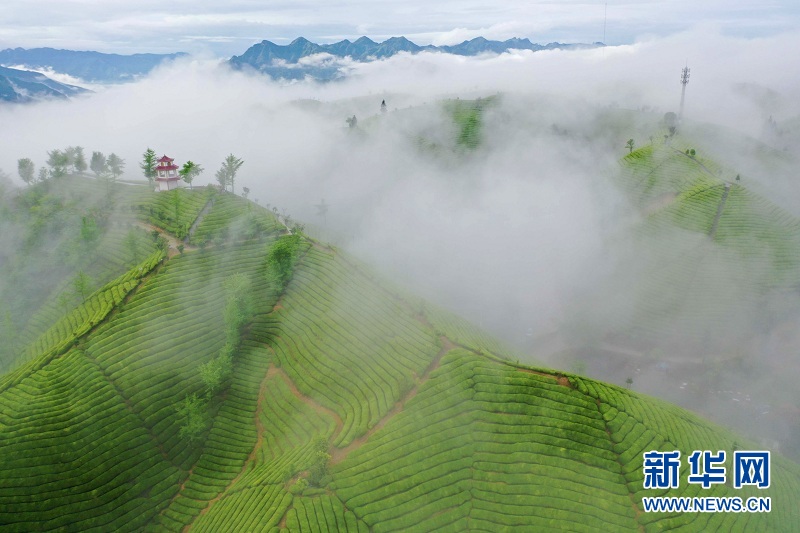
x: 630, y: 144
x: 115, y: 165
x: 319, y: 466
x: 98, y: 163
x: 148, y: 165
x: 26, y: 167
x: 245, y: 192
x: 43, y: 174
x: 215, y: 372
x: 222, y: 179
x: 238, y: 307
x: 58, y: 162
x: 281, y: 258
x: 79, y: 163
x: 227, y: 173
x: 629, y: 382
x: 190, y: 171
x: 193, y: 418
x: 70, y: 154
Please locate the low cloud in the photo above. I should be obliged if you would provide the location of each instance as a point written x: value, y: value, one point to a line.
x: 517, y: 234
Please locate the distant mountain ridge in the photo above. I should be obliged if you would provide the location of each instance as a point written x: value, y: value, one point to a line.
x: 94, y: 67
x: 263, y: 56
x: 20, y: 86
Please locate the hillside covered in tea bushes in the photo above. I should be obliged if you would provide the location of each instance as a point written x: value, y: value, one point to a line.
x: 259, y: 380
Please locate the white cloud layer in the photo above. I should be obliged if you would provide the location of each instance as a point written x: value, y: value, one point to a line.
x: 512, y: 236
x: 229, y: 28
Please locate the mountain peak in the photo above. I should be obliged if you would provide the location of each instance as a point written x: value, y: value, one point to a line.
x: 263, y: 57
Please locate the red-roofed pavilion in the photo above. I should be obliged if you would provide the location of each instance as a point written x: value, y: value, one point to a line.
x: 167, y: 174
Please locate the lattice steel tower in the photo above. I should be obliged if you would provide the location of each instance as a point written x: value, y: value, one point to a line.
x: 684, y: 82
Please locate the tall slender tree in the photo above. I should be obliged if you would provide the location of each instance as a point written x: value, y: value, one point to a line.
x: 80, y: 161
x: 26, y: 168
x: 148, y: 165
x: 58, y: 162
x: 115, y: 164
x: 190, y: 171
x: 227, y: 173
x: 98, y: 163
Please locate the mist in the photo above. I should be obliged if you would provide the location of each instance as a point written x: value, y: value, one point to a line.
x: 527, y: 235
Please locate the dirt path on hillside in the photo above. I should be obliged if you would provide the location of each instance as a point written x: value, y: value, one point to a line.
x: 172, y: 241
x: 340, y: 454
x: 262, y: 392
x: 200, y: 216
x: 317, y: 407
x: 720, y: 207
x: 561, y: 380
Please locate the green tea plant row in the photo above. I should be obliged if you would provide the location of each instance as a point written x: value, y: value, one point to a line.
x: 289, y: 426
x: 288, y: 422
x: 759, y: 230
x: 232, y: 435
x: 488, y: 442
x: 695, y: 208
x: 229, y: 442
x: 78, y: 322
x: 234, y: 217
x: 757, y: 245
x: 58, y: 474
x: 463, y: 332
x: 153, y: 349
x: 654, y: 170
x: 322, y: 514
x: 336, y: 324
x: 638, y: 426
x: 47, y: 288
x: 252, y: 509
x: 175, y: 210
x: 468, y: 117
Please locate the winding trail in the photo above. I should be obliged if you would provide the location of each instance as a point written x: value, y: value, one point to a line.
x: 173, y: 241
x: 203, y: 212
x: 340, y: 454
x: 319, y: 408
x: 720, y: 207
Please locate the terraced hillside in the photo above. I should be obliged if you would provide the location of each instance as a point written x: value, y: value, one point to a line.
x: 348, y: 406
x: 711, y: 258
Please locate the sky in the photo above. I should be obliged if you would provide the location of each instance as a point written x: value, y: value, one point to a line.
x: 223, y: 29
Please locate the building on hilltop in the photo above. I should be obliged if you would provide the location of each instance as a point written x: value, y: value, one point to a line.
x: 167, y: 177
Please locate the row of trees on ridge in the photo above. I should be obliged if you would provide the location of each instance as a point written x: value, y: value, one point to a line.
x: 226, y: 175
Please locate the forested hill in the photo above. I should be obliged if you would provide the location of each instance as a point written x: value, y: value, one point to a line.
x: 255, y: 379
